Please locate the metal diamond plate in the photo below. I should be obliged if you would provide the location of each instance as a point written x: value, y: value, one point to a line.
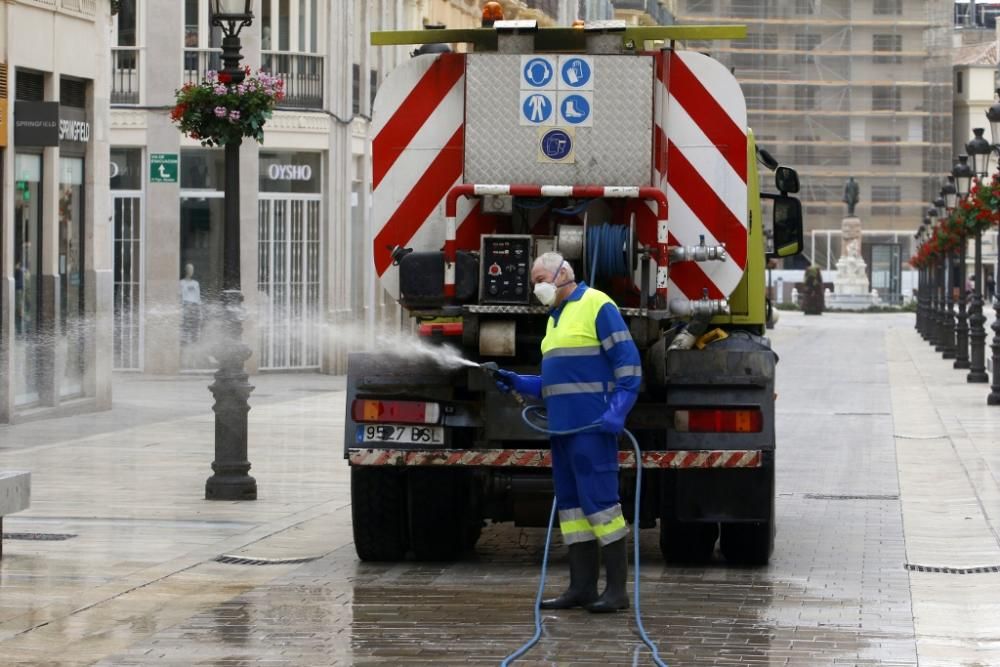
x: 616, y: 150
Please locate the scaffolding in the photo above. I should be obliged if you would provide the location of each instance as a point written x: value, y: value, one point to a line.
x: 837, y: 88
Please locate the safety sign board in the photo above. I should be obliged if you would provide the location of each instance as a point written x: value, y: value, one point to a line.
x: 576, y: 73
x: 538, y: 72
x: 576, y: 109
x: 537, y: 108
x: 163, y: 167
x: 556, y: 145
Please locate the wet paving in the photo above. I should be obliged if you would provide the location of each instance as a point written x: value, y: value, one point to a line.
x: 837, y: 591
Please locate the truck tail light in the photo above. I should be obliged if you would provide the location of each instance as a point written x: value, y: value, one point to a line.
x: 395, y: 412
x: 718, y: 421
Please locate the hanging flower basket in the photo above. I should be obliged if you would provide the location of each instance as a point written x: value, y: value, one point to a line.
x: 217, y: 112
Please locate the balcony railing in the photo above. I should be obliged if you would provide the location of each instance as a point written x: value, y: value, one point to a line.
x: 303, y: 76
x: 88, y: 7
x: 124, y: 75
x: 199, y: 61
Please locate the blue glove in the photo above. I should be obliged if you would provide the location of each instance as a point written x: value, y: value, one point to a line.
x: 526, y: 385
x: 619, y: 405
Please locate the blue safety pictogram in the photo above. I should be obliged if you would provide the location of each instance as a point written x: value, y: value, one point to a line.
x: 537, y: 108
x: 576, y: 72
x: 575, y: 109
x: 538, y: 72
x: 556, y: 144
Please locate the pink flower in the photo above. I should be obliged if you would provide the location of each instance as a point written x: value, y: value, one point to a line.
x: 220, y: 112
x: 220, y: 89
x: 234, y: 115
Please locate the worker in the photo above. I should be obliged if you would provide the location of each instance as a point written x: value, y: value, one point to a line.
x: 590, y: 374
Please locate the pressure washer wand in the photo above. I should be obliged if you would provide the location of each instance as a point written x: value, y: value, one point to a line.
x: 491, y: 369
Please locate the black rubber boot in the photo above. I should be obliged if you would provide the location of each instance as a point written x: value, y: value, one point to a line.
x: 583, y: 572
x: 615, y: 596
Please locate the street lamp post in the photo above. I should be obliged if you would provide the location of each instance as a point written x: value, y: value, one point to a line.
x: 923, y: 302
x: 946, y: 341
x: 231, y: 479
x: 993, y: 116
x: 979, y: 149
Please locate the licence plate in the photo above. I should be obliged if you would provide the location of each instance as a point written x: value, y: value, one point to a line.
x: 409, y: 435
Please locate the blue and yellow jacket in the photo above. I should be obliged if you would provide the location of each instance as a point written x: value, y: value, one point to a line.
x: 587, y: 354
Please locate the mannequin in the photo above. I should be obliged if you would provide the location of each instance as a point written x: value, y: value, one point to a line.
x: 190, y: 295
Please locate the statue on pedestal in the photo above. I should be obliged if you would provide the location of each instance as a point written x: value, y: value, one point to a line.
x: 852, y: 195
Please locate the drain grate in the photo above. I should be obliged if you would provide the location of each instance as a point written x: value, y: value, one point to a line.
x: 39, y: 537
x: 869, y: 496
x: 247, y: 560
x: 985, y: 569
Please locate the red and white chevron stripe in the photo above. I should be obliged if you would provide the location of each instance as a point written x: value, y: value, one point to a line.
x: 542, y: 458
x: 701, y: 163
x: 418, y: 130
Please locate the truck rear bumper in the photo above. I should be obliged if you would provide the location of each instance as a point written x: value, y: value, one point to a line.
x: 541, y: 458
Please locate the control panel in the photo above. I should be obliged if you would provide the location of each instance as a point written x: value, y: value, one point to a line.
x: 505, y: 261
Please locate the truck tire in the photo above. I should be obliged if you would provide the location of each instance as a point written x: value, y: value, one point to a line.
x: 440, y: 513
x: 378, y: 513
x: 687, y: 541
x: 747, y: 543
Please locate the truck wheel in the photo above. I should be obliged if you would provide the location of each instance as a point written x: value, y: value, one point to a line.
x: 440, y: 510
x: 378, y: 513
x: 748, y: 543
x: 687, y: 541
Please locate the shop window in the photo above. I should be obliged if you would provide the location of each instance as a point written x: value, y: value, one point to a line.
x: 72, y: 310
x: 27, y: 275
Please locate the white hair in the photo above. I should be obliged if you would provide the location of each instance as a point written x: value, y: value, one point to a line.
x: 551, y: 261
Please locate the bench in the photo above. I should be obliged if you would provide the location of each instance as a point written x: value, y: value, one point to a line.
x: 15, y: 495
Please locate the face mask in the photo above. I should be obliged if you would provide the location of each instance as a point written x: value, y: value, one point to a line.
x: 546, y: 292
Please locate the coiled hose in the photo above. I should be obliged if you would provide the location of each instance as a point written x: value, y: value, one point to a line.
x: 607, y: 250
x: 526, y: 415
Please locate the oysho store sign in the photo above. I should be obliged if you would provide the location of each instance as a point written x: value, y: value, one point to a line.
x: 290, y: 172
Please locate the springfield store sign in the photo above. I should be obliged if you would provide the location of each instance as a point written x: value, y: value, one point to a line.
x: 48, y: 124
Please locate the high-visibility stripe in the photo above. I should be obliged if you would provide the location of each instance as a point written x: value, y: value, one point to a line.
x: 611, y: 531
x: 605, y: 515
x: 711, y: 117
x: 589, y: 351
x: 542, y: 458
x: 615, y: 338
x: 424, y: 98
x: 572, y: 388
x: 627, y: 371
x: 577, y: 530
x: 571, y: 514
x: 705, y: 204
x: 420, y: 202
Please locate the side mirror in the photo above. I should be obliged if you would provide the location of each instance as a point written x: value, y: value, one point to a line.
x: 786, y: 180
x: 787, y: 226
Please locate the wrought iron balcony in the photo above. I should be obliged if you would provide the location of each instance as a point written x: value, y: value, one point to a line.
x: 125, y: 74
x: 199, y: 61
x: 303, y: 76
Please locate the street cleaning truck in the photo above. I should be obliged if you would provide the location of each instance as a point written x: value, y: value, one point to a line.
x: 631, y: 157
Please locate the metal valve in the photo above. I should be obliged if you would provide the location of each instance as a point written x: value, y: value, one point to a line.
x: 698, y: 253
x: 701, y: 308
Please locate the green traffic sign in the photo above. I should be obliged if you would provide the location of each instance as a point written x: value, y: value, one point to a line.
x: 163, y: 167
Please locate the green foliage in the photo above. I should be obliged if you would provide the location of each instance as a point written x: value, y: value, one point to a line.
x: 217, y: 111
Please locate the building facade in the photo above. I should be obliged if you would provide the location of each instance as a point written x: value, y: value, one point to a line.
x: 55, y: 259
x: 841, y: 89
x: 305, y: 193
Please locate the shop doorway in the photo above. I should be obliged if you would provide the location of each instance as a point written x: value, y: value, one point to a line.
x: 288, y: 288
x: 128, y: 327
